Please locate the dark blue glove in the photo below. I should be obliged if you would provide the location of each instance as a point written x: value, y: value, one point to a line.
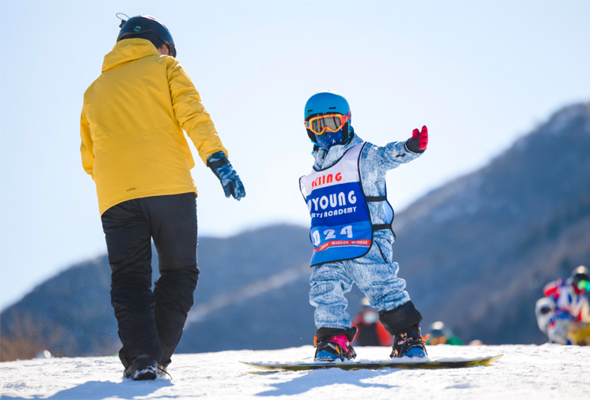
x: 221, y: 167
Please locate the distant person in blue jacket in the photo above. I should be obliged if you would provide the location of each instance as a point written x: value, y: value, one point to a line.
x: 351, y: 230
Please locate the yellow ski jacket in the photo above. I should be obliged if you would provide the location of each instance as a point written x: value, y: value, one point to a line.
x: 132, y: 122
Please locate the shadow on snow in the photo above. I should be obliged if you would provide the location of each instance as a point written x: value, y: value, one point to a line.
x: 96, y: 390
x: 319, y: 378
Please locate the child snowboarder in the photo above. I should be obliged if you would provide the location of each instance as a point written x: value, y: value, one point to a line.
x: 351, y: 230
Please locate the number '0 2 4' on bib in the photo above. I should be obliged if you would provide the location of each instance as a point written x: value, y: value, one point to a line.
x: 341, y: 226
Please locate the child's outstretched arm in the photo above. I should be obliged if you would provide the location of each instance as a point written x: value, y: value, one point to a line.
x: 396, y: 153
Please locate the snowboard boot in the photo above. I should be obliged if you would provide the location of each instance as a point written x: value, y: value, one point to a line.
x: 142, y: 369
x: 409, y: 343
x: 332, y: 348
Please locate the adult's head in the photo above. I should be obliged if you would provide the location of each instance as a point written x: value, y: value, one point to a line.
x: 327, y: 119
x: 148, y: 27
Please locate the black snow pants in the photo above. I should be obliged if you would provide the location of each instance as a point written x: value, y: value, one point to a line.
x: 151, y: 323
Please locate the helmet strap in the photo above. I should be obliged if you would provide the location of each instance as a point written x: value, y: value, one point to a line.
x: 347, y: 132
x: 311, y: 136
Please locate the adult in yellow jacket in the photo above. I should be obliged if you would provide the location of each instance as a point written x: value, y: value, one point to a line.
x: 134, y: 147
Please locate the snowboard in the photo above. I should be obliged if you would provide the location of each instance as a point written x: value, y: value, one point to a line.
x: 402, y: 363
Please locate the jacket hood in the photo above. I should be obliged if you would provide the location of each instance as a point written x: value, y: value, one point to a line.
x: 128, y: 50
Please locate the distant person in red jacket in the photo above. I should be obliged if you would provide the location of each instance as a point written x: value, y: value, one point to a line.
x: 370, y: 331
x: 563, y: 314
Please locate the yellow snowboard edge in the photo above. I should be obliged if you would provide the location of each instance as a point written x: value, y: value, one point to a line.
x: 441, y: 364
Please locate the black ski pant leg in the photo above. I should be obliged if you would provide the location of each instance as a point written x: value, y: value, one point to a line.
x: 174, y: 229
x: 400, y: 319
x: 128, y: 238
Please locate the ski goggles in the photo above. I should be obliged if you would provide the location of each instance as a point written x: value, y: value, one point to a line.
x: 584, y: 285
x: 326, y: 123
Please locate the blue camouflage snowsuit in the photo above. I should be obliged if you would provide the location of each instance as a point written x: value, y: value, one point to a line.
x: 374, y: 273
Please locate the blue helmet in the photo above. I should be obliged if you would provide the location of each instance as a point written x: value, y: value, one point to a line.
x: 329, y: 102
x: 147, y: 27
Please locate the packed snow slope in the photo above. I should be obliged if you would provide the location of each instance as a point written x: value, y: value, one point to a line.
x: 525, y: 372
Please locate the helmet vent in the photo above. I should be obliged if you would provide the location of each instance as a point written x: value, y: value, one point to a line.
x: 332, y: 108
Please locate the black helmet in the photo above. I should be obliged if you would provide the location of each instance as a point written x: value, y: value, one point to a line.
x: 147, y: 27
x: 580, y: 274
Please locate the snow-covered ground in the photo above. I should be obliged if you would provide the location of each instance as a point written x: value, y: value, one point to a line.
x: 525, y: 372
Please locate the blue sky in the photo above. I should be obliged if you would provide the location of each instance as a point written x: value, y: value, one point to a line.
x: 479, y: 74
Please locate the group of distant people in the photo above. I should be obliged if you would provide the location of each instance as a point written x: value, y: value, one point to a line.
x: 370, y: 331
x: 563, y: 313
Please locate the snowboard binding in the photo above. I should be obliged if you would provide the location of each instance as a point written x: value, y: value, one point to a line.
x: 409, y: 344
x: 332, y: 348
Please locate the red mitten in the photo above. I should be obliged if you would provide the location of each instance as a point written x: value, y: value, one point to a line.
x: 422, y: 137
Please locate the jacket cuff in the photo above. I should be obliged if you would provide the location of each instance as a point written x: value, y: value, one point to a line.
x: 413, y: 146
x: 216, y: 160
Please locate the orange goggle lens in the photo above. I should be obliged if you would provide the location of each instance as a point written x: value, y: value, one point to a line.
x: 326, y: 123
